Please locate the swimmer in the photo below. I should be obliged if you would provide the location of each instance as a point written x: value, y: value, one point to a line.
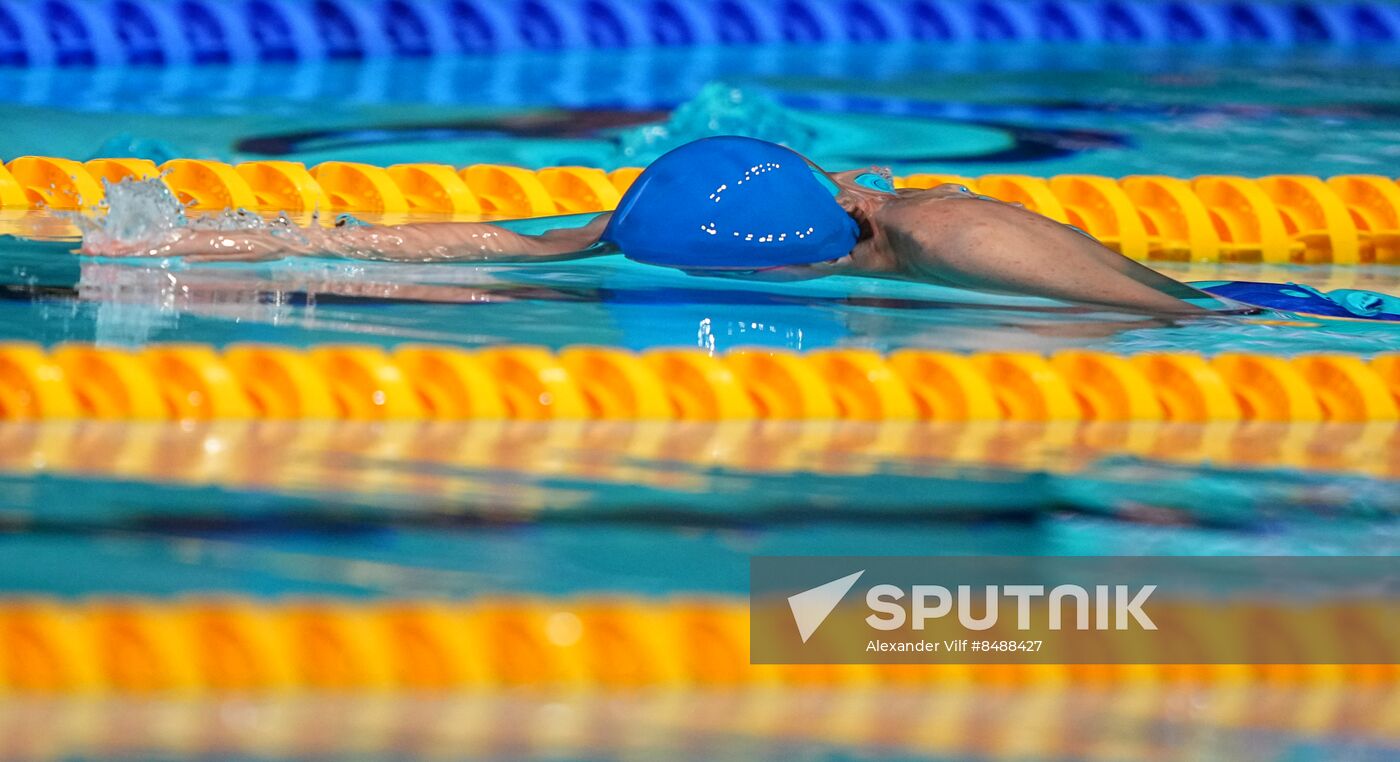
x: 743, y: 208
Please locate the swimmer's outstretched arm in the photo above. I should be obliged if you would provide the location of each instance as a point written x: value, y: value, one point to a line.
x: 421, y: 242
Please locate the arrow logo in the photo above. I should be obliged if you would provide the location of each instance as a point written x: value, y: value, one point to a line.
x: 811, y: 607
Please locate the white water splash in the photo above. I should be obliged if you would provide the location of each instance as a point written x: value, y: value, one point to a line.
x: 137, y: 217
x: 718, y: 109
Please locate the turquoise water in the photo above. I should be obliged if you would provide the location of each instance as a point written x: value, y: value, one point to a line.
x: 609, y: 301
x: 1173, y: 111
x: 1034, y: 110
x: 379, y: 510
x: 1039, y: 111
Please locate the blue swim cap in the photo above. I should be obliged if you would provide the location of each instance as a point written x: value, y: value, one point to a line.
x: 731, y: 202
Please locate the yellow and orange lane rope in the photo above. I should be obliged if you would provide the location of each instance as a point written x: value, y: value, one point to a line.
x: 1347, y: 219
x: 462, y: 460
x: 1091, y: 720
x: 423, y: 382
x: 223, y: 644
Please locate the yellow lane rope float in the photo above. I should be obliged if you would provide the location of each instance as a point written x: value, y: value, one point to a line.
x: 1347, y: 219
x: 1090, y: 721
x: 422, y: 382
x: 679, y: 457
x: 238, y: 645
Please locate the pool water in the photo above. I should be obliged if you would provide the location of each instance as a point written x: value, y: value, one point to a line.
x: 460, y: 509
x: 617, y: 302
x: 1029, y: 109
x: 1032, y: 110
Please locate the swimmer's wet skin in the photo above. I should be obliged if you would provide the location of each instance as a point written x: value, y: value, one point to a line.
x: 740, y: 207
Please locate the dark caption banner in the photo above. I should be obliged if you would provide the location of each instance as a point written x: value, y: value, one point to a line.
x: 1074, y: 610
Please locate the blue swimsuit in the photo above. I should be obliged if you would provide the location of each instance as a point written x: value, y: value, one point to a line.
x: 1306, y: 300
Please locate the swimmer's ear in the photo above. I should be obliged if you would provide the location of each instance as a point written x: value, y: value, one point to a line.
x: 861, y: 209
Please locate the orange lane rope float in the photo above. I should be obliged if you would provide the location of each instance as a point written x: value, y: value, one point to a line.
x: 354, y: 382
x: 220, y: 645
x: 1347, y: 219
